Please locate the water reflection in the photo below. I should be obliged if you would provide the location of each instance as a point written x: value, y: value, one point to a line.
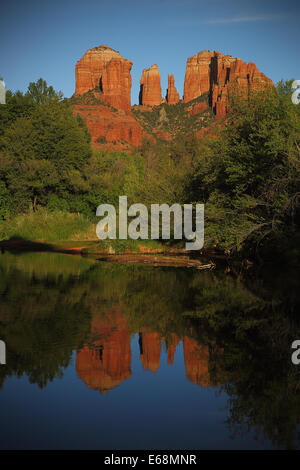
x: 105, y: 362
x: 235, y: 332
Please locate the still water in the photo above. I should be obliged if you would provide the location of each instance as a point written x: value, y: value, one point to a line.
x: 115, y: 356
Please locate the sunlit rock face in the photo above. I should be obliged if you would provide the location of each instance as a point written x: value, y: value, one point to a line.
x: 197, y: 75
x: 106, y: 361
x: 116, y: 126
x: 172, y: 96
x: 150, y: 88
x: 215, y: 73
x: 106, y: 125
x: 106, y: 69
x: 196, y: 359
x: 150, y: 347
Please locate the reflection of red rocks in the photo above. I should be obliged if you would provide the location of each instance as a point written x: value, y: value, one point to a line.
x: 107, y: 363
x: 196, y: 359
x: 172, y: 343
x: 150, y: 346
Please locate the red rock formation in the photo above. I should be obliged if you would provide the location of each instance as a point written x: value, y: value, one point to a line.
x: 106, y: 126
x: 172, y: 96
x: 209, y: 73
x: 198, y: 108
x: 150, y: 88
x: 216, y: 74
x: 197, y: 75
x: 150, y: 346
x: 234, y: 73
x: 106, y: 362
x: 196, y: 359
x: 105, y: 68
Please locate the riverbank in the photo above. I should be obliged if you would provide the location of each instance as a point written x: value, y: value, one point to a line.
x: 61, y: 232
x: 152, y: 253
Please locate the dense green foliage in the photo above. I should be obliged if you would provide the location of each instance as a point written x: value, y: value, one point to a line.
x: 43, y: 149
x: 46, y: 161
x: 247, y: 173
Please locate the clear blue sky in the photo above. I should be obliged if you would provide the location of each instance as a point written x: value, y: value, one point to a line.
x: 45, y: 38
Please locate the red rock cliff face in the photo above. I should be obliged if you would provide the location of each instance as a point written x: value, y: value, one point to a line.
x: 150, y: 88
x: 209, y: 73
x: 172, y: 96
x: 216, y: 74
x: 106, y: 363
x: 197, y: 75
x: 231, y: 73
x: 105, y: 68
x: 110, y: 127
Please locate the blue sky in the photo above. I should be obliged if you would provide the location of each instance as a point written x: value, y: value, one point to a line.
x: 46, y: 38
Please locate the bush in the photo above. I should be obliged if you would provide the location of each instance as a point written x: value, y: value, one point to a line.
x: 55, y: 203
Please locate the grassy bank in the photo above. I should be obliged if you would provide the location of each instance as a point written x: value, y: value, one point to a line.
x: 45, y: 226
x: 63, y: 231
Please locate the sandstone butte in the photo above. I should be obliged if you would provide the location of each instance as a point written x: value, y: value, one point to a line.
x: 150, y: 88
x: 111, y: 121
x: 172, y: 96
x: 105, y: 68
x: 215, y: 73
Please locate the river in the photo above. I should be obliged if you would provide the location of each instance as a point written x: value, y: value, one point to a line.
x: 116, y: 356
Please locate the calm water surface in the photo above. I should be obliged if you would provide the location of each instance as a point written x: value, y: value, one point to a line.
x: 106, y: 356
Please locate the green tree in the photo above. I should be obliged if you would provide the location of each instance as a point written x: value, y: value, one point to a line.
x: 39, y: 92
x: 44, y: 153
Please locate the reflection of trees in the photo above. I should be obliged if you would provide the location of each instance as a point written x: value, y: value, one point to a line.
x: 262, y: 383
x: 43, y: 317
x: 253, y: 361
x: 238, y: 331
